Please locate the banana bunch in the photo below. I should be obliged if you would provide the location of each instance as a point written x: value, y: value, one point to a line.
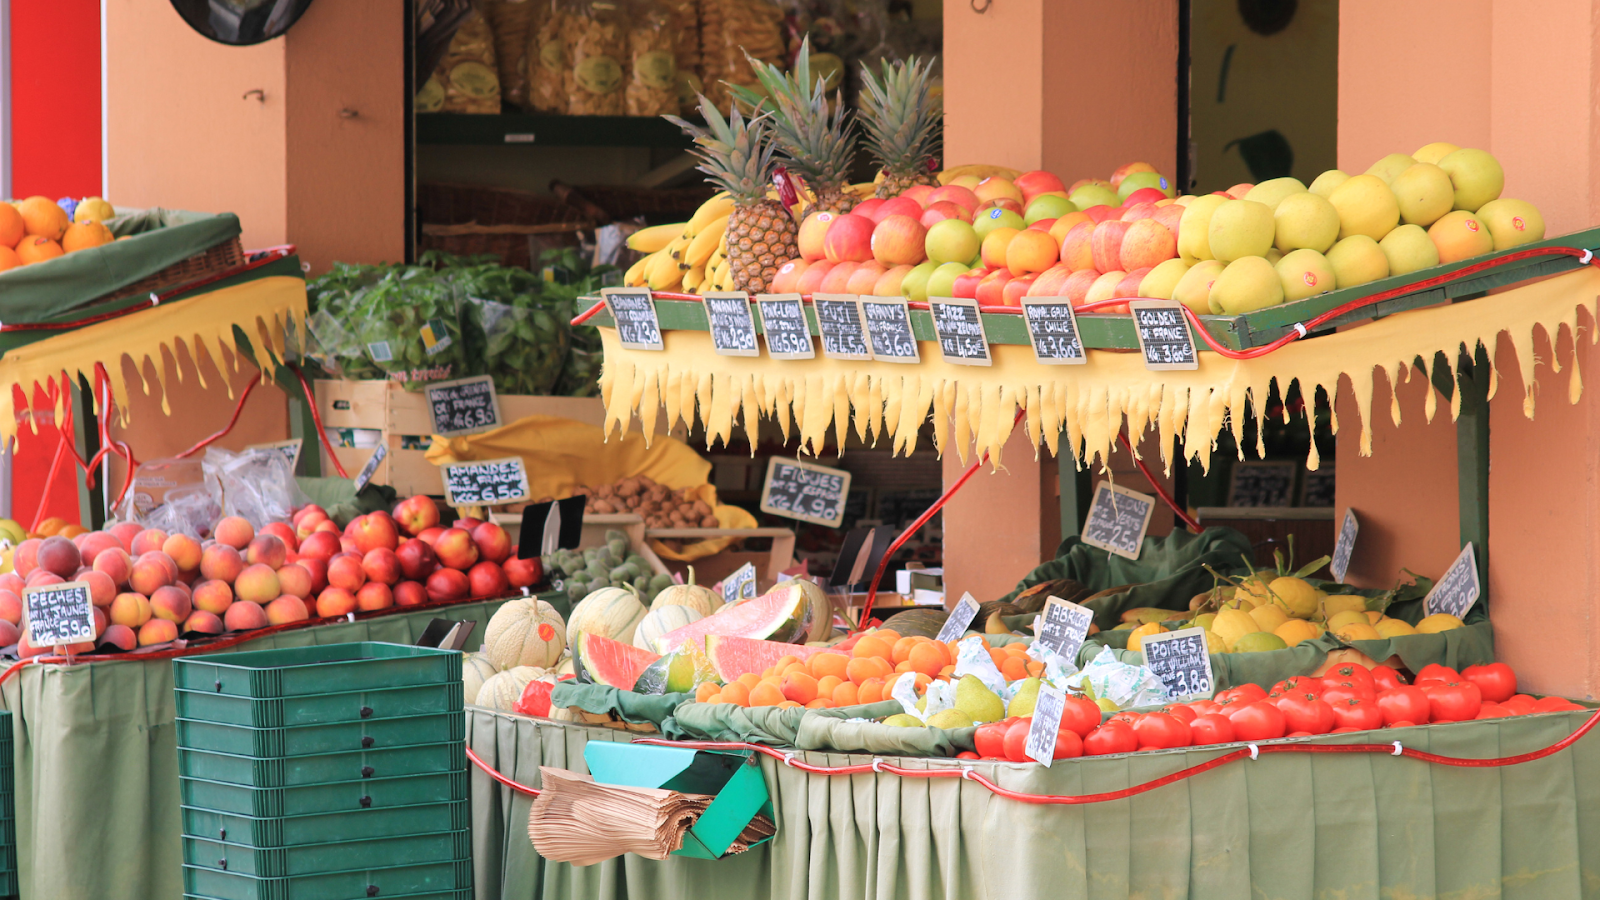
x: 981, y: 171
x: 686, y: 256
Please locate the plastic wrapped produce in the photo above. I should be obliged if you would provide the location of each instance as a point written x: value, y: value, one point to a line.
x: 547, y: 59
x: 652, y: 61
x: 596, y: 38
x: 728, y: 30
x: 467, y: 72
x: 514, y: 23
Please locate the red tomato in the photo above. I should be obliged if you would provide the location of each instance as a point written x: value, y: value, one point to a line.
x: 1258, y: 722
x: 1342, y: 692
x: 1080, y: 715
x: 1438, y: 672
x: 1159, y: 731
x: 1111, y: 737
x: 967, y: 754
x: 1354, y: 673
x: 1495, y: 681
x: 1384, y: 678
x: 1015, y: 741
x: 1520, y: 705
x: 1068, y: 744
x: 1179, y: 711
x: 1554, y: 704
x: 1248, y: 692
x: 1454, y: 701
x: 1491, y: 711
x: 1204, y: 707
x: 1358, y: 713
x: 1403, y: 724
x: 990, y: 740
x: 1304, y: 712
x: 1210, y: 729
x: 1407, y: 703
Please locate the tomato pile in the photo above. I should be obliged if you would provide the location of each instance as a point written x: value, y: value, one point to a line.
x: 1349, y: 697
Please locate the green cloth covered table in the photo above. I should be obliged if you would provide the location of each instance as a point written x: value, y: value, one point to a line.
x: 1285, y: 827
x: 97, y: 763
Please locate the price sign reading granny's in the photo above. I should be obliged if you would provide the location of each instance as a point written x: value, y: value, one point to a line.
x: 733, y: 329
x: 889, y: 326
x: 1164, y: 335
x: 960, y: 618
x: 1182, y: 662
x: 58, y: 614
x: 1063, y: 626
x: 1344, y: 546
x: 464, y: 406
x: 1457, y: 589
x: 487, y: 482
x: 1117, y: 519
x: 635, y: 315
x: 806, y: 491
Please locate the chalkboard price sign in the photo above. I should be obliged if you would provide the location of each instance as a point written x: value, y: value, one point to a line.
x: 806, y: 491
x: 1117, y: 519
x: 1063, y: 625
x: 371, y: 468
x: 464, y: 406
x: 1053, y: 331
x: 783, y: 320
x: 1344, y: 546
x: 733, y: 330
x: 289, y: 450
x: 486, y: 482
x: 59, y: 614
x: 1264, y: 483
x: 839, y: 322
x: 1457, y: 589
x: 1164, y: 335
x: 1182, y: 662
x: 741, y: 585
x: 635, y: 315
x: 959, y: 325
x: 959, y: 620
x: 1046, y: 725
x: 889, y: 326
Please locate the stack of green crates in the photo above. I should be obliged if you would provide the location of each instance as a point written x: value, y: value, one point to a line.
x: 335, y: 772
x: 8, y: 810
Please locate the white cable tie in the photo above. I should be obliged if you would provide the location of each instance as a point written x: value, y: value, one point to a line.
x: 1255, y: 751
x: 155, y: 299
x: 350, y: 617
x: 1397, y: 748
x: 1300, y: 328
x: 788, y: 760
x: 966, y: 773
x: 524, y: 590
x: 876, y: 762
x: 1587, y: 255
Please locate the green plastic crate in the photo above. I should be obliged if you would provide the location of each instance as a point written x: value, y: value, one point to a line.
x: 315, y: 740
x: 295, y: 831
x: 293, y: 771
x: 319, y: 859
x: 327, y: 668
x: 319, y: 709
x: 8, y: 884
x: 339, y: 796
x: 462, y: 894
x: 348, y: 885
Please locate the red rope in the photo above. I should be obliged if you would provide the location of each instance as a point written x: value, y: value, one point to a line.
x: 490, y: 771
x: 316, y: 418
x: 1194, y: 524
x: 232, y: 420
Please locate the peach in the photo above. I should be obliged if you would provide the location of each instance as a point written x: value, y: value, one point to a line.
x: 837, y: 278
x: 1076, y: 251
x: 788, y: 274
x: 213, y: 596
x: 94, y: 543
x: 102, y: 590
x: 1105, y: 245
x: 521, y: 573
x: 202, y: 622
x: 1147, y: 244
x: 373, y: 596
x: 347, y: 572
x: 862, y: 282
x: 896, y: 206
x: 888, y: 284
x: 162, y: 559
x: 146, y: 541
x: 1049, y: 282
x: 235, y: 531
x: 130, y: 609
x: 40, y: 577
x: 429, y: 535
x: 1030, y: 252
x: 410, y: 593
x: 121, y: 637
x: 61, y: 556
x: 417, y: 559
x: 295, y: 579
x: 157, y: 631
x: 966, y: 284
x: 327, y: 525
x: 257, y: 584
x: 808, y: 283
x: 125, y: 532
x: 960, y: 195
x: 416, y: 513
x: 487, y: 579
x: 245, y: 616
x: 319, y: 574
x: 994, y: 187
x: 221, y: 562
x: 286, y: 609
x: 268, y: 550
x: 1076, y: 287
x: 10, y: 608
x: 285, y: 533
x: 304, y: 511
x: 991, y: 290
x: 944, y: 209
x: 335, y: 602
x: 11, y: 581
x: 319, y: 545
x: 1016, y: 289
x: 1037, y: 182
x: 899, y: 240
x: 382, y: 566
x: 309, y: 524
x: 9, y: 633
x: 375, y: 530
x: 455, y: 549
x: 26, y: 649
x: 849, y: 238
x: 184, y: 550
x: 101, y: 620
x: 149, y: 574
x: 171, y: 604
x: 813, y: 228
x: 446, y: 585
x: 919, y: 193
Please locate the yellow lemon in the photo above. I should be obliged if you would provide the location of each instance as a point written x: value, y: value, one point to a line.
x: 1438, y: 622
x: 1293, y: 631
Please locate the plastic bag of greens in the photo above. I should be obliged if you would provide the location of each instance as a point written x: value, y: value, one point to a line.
x: 524, y: 346
x: 410, y: 324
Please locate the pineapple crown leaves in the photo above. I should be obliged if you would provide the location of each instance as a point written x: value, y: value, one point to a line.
x: 735, y: 153
x: 900, y: 116
x: 817, y: 142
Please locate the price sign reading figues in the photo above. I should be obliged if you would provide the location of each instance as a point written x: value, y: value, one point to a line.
x: 486, y: 482
x: 1457, y: 589
x: 1063, y: 626
x: 1181, y: 661
x: 960, y: 618
x: 635, y: 315
x: 1117, y: 519
x: 59, y: 614
x: 1344, y: 546
x: 805, y: 491
x: 733, y: 329
x: 464, y: 406
x: 1164, y: 335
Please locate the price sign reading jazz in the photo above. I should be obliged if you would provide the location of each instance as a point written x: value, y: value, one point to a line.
x: 1118, y: 519
x: 889, y: 326
x: 844, y: 334
x: 959, y: 325
x: 733, y: 329
x: 1164, y: 335
x: 1182, y: 662
x: 59, y: 614
x: 635, y: 315
x: 463, y: 407
x: 488, y: 482
x: 1053, y: 331
x: 805, y: 491
x: 783, y: 321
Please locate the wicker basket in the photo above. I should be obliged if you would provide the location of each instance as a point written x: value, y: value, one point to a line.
x: 216, y: 260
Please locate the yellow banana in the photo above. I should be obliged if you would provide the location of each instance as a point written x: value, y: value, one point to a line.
x: 649, y: 240
x: 979, y: 170
x: 662, y: 272
x: 705, y: 243
x: 676, y: 248
x: 722, y: 277
x: 635, y: 274
x: 693, y: 278
x: 865, y: 189
x: 718, y: 206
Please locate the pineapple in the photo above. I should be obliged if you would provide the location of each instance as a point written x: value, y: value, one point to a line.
x: 901, y: 119
x: 736, y: 155
x: 817, y: 142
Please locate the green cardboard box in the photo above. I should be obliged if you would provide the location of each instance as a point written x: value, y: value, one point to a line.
x: 731, y: 776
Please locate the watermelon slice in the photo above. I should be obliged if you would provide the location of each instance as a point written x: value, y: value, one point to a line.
x: 612, y: 663
x: 783, y: 614
x: 734, y: 656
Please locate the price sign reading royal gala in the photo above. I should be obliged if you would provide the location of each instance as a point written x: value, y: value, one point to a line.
x: 959, y: 325
x: 1181, y: 661
x: 889, y: 326
x: 1457, y: 589
x: 486, y: 482
x: 1117, y: 519
x: 1053, y: 331
x: 1063, y: 625
x: 1047, y: 708
x: 955, y: 625
x: 844, y: 334
x: 805, y: 491
x: 464, y: 406
x: 783, y: 321
x: 733, y: 329
x: 59, y: 614
x: 635, y: 315
x: 1345, y: 545
x: 1164, y: 335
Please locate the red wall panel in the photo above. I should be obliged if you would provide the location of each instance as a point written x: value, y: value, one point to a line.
x: 55, y: 97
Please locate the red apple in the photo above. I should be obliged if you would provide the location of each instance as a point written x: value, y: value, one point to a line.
x: 1016, y: 289
x: 1145, y: 195
x: 1037, y: 182
x: 1137, y: 211
x: 955, y: 193
x: 1105, y: 245
x: 966, y: 284
x: 813, y: 228
x: 1076, y: 252
x: 919, y: 193
x: 1049, y: 282
x: 991, y: 289
x: 944, y: 209
x: 1076, y: 287
x: 1129, y: 285
x: 413, y: 514
x: 867, y: 206
x: 898, y: 240
x: 849, y: 239
x: 456, y: 549
x: 319, y: 545
x: 381, y: 565
x: 896, y: 206
x: 446, y: 585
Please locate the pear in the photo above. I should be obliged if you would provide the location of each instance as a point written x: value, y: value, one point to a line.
x: 903, y: 720
x: 951, y: 718
x: 1409, y: 249
x: 1023, y: 700
x: 1476, y: 176
x: 1204, y: 620
x: 974, y: 698
x: 1106, y: 705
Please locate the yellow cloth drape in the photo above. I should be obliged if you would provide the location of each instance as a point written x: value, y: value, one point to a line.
x: 973, y: 407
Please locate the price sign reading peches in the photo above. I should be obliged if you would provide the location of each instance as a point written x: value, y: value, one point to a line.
x: 733, y: 329
x: 486, y: 482
x: 741, y: 585
x: 889, y: 325
x: 1053, y: 331
x: 1164, y: 335
x: 1063, y: 626
x: 1457, y: 589
x: 959, y: 619
x: 463, y: 406
x: 371, y: 468
x: 59, y: 614
x: 806, y: 491
x: 1344, y: 546
x: 1118, y: 519
x: 1182, y: 662
x: 783, y: 321
x: 635, y: 314
x: 1047, y: 709
x: 959, y: 325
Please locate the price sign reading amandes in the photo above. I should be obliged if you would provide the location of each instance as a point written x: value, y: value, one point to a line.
x: 783, y: 321
x: 488, y: 482
x: 1117, y: 519
x: 1053, y: 331
x: 1182, y: 662
x: 635, y: 315
x: 59, y: 614
x: 959, y: 325
x: 733, y: 329
x: 1164, y: 335
x: 889, y: 326
x: 464, y: 406
x: 805, y: 491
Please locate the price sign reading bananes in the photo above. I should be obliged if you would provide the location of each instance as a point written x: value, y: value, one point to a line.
x: 488, y: 482
x: 805, y: 491
x: 464, y: 406
x: 733, y: 329
x: 635, y: 315
x: 1182, y: 662
x: 1164, y: 335
x: 1118, y: 519
x: 59, y: 614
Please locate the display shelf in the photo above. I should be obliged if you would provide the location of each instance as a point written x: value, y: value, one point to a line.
x: 549, y: 131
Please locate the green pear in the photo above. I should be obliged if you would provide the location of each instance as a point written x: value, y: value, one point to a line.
x: 950, y: 718
x: 903, y: 720
x: 974, y: 698
x: 1026, y: 696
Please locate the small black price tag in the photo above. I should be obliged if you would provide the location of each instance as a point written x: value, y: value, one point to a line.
x: 59, y: 614
x: 1344, y: 546
x: 1164, y: 335
x: 806, y: 491
x: 839, y: 322
x: 741, y: 585
x: 463, y: 406
x: 733, y: 329
x: 379, y: 454
x: 889, y: 325
x: 783, y: 322
x: 485, y: 482
x: 551, y: 526
x: 635, y: 314
x: 1053, y: 331
x: 1182, y: 662
x: 1118, y: 519
x: 1063, y: 626
x: 1265, y: 483
x: 959, y: 324
x: 1457, y: 589
x: 1046, y: 724
x: 959, y: 620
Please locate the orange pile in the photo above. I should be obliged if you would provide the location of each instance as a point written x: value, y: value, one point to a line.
x: 866, y: 675
x: 37, y: 229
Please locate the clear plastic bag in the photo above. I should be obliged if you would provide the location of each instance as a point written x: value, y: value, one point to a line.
x: 409, y: 326
x: 1126, y: 685
x: 547, y: 60
x: 259, y: 486
x: 187, y: 510
x: 683, y: 18
x: 467, y: 72
x: 652, y: 61
x: 514, y: 22
x: 728, y: 30
x: 596, y: 38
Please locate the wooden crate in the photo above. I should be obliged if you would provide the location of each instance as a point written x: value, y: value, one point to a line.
x: 595, y: 526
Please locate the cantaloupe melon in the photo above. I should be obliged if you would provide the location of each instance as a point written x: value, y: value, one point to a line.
x: 525, y: 632
x: 475, y: 670
x: 661, y: 620
x: 700, y: 599
x: 504, y: 688
x: 610, y: 612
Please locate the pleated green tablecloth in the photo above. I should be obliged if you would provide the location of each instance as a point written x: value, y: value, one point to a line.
x: 1284, y: 827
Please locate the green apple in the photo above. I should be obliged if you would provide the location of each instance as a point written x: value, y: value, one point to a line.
x: 996, y: 217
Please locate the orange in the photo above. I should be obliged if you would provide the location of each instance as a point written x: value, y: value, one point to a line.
x: 826, y: 664
x: 85, y: 235
x: 871, y: 691
x: 8, y: 257
x: 872, y: 646
x: 844, y: 694
x: 1035, y: 669
x: 902, y: 649
x: 705, y: 690
x: 788, y: 704
x: 766, y: 695
x: 11, y: 226
x: 819, y: 703
x: 859, y: 670
x: 72, y: 531
x: 827, y: 684
x: 50, y: 526
x: 749, y: 680
x: 903, y: 666
x: 1017, y: 649
x: 927, y: 658
x: 1031, y: 251
x: 41, y: 216
x: 1013, y: 668
x: 998, y: 656
x: 37, y: 249
x: 799, y: 687
x: 736, y: 692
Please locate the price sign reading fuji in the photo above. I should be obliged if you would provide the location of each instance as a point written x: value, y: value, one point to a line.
x: 1457, y: 589
x: 783, y: 321
x: 839, y: 322
x: 956, y: 624
x: 889, y: 326
x: 1182, y: 662
x: 959, y: 325
x: 635, y: 315
x: 59, y: 614
x: 371, y: 468
x: 487, y: 482
x: 1047, y: 708
x: 1063, y: 626
x: 463, y: 407
x: 1053, y: 331
x: 1118, y: 519
x: 805, y: 491
x: 741, y: 585
x: 1164, y: 335
x: 733, y: 329
x: 1344, y: 546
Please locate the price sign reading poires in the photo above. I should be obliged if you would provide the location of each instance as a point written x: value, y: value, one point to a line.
x: 488, y: 482
x: 1344, y: 546
x: 635, y: 315
x: 1117, y: 519
x: 1053, y: 331
x: 741, y: 585
x: 464, y: 406
x: 1047, y: 708
x: 959, y: 325
x: 1164, y: 335
x: 733, y: 329
x: 59, y: 614
x: 889, y: 326
x: 783, y: 321
x: 1457, y: 589
x: 960, y: 618
x: 805, y: 491
x: 1063, y: 626
x: 1182, y: 662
